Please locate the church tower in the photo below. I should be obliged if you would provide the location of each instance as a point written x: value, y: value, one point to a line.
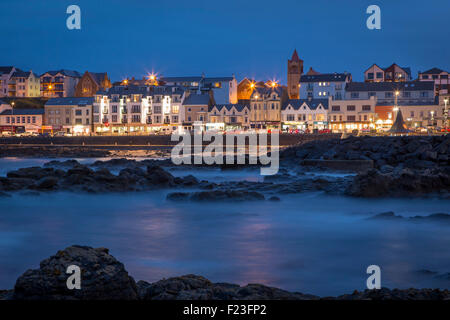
x: 295, y: 70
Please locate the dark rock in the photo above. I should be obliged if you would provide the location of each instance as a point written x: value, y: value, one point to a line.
x: 220, y: 195
x: 102, y: 277
x: 178, y: 196
x: 274, y: 198
x: 47, y: 183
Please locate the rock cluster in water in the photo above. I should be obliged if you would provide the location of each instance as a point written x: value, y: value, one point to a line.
x: 105, y: 278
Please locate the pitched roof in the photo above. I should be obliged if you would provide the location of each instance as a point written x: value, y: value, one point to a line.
x: 238, y: 107
x: 69, y: 73
x: 390, y: 86
x: 326, y: 77
x: 6, y: 69
x: 195, y: 99
x: 295, y: 56
x: 70, y: 101
x: 433, y: 71
x: 312, y: 104
x: 98, y: 77
x: 22, y: 112
x: 22, y: 74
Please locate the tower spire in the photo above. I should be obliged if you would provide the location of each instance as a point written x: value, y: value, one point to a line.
x: 295, y: 56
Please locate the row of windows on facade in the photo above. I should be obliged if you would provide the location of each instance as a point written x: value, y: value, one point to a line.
x: 304, y: 117
x: 136, y: 118
x: 352, y: 108
x: 435, y: 76
x: 388, y: 75
x: 137, y: 98
x: 136, y: 109
x: 337, y: 86
x: 405, y: 94
x: 78, y: 112
x: 28, y: 119
x: 258, y: 106
x: 78, y: 121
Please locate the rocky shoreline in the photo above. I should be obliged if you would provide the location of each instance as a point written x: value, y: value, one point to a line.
x: 103, y: 277
x: 402, y: 167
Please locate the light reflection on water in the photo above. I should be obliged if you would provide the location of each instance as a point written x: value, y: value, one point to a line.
x: 307, y: 242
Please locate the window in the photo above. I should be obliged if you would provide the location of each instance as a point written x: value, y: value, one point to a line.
x: 7, y: 120
x: 412, y: 114
x: 336, y: 108
x: 114, y: 109
x: 379, y: 75
x: 388, y: 94
x: 424, y: 94
x: 78, y: 121
x: 136, y: 109
x: 78, y: 112
x: 425, y: 76
x: 406, y: 94
x: 372, y: 94
x: 351, y: 118
x: 351, y: 108
x: 355, y: 95
x: 157, y: 109
x: 114, y: 118
x: 370, y: 76
x: 136, y: 118
x: 67, y: 120
x: 366, y: 108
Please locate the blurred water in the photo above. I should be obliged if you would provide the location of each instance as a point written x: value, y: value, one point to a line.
x: 307, y: 242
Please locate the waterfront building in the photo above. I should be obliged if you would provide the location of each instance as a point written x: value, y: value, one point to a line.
x: 393, y: 73
x: 349, y: 115
x: 295, y: 71
x: 20, y: 83
x: 228, y: 117
x: 224, y: 89
x: 20, y: 120
x: 195, y: 110
x: 439, y: 77
x: 391, y: 92
x: 92, y: 82
x: 265, y: 106
x: 305, y: 114
x: 415, y: 115
x: 59, y: 84
x: 138, y: 110
x: 5, y: 78
x: 315, y: 85
x: 69, y: 115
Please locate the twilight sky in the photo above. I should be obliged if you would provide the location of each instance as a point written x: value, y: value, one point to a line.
x: 252, y: 38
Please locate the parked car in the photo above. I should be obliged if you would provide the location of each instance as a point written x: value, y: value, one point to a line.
x: 325, y: 131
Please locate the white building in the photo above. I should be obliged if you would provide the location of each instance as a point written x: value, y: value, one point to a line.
x: 349, y: 115
x: 137, y: 110
x: 305, y: 114
x: 5, y: 77
x: 69, y: 115
x: 20, y: 120
x: 321, y: 86
x: 17, y: 83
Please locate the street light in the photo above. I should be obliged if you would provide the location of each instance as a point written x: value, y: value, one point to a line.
x: 12, y: 114
x: 446, y: 113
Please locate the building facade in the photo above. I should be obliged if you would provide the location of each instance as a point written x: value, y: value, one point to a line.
x: 439, y: 77
x: 69, y: 115
x: 305, y: 114
x: 21, y: 120
x: 24, y: 84
x: 322, y: 86
x: 265, y: 107
x: 349, y: 115
x: 228, y: 117
x: 138, y: 110
x: 5, y: 77
x: 92, y: 82
x: 59, y: 84
x: 392, y: 92
x: 393, y: 73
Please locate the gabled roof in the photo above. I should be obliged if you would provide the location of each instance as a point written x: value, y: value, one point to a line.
x: 195, y: 99
x: 70, y: 101
x: 220, y: 107
x: 390, y: 86
x: 433, y: 71
x: 22, y: 112
x: 312, y: 104
x: 6, y: 69
x: 295, y: 56
x: 69, y: 73
x: 98, y: 77
x: 325, y: 77
x: 22, y: 74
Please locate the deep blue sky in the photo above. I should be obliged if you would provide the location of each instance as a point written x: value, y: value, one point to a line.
x: 245, y: 37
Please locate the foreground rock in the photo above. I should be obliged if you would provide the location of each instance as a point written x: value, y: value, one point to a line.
x: 82, y: 178
x: 105, y: 278
x: 216, y: 195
